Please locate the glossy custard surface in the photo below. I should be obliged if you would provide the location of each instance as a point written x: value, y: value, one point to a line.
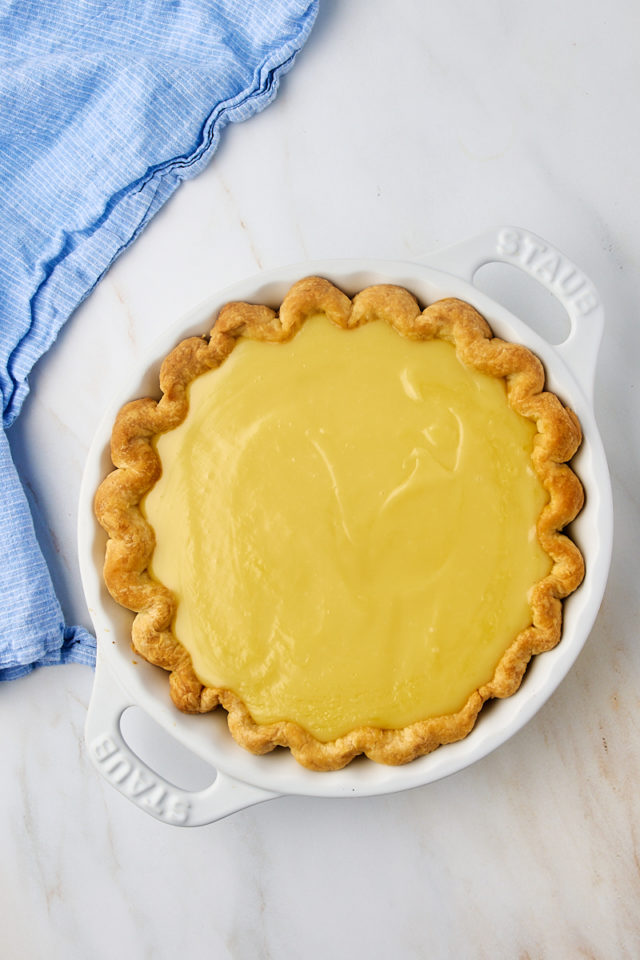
x: 348, y: 523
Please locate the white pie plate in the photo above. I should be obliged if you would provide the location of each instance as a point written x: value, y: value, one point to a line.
x: 242, y: 779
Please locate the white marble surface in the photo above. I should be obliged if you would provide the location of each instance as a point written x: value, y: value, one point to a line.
x: 403, y: 128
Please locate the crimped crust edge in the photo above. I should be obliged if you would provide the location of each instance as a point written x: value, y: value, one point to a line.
x: 137, y: 467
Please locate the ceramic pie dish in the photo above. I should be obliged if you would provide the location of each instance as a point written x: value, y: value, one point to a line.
x: 241, y: 778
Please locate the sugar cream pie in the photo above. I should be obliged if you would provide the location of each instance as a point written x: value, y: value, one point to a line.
x: 342, y: 521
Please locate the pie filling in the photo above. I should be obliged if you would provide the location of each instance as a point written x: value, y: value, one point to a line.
x: 348, y: 523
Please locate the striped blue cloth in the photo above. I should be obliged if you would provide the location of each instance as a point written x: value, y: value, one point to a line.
x: 107, y: 106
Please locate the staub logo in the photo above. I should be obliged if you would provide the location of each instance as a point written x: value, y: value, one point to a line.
x: 138, y: 783
x: 549, y: 267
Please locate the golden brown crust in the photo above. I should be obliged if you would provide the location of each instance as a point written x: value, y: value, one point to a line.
x: 131, y: 540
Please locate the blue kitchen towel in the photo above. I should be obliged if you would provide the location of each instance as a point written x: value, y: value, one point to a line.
x: 106, y: 106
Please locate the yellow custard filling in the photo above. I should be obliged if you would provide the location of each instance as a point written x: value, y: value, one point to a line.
x: 347, y: 521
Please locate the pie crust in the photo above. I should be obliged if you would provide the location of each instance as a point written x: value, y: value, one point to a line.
x: 131, y: 540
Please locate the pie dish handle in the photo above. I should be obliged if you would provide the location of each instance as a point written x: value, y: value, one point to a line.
x: 135, y: 780
x: 554, y: 271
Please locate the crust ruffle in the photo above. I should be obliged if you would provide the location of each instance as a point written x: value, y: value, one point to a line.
x: 131, y: 540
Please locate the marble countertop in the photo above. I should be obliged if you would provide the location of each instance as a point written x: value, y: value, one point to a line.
x: 402, y: 129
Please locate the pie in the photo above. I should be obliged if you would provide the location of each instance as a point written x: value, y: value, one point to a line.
x: 343, y: 521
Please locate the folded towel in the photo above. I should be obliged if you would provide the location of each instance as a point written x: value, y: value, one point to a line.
x: 107, y: 106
